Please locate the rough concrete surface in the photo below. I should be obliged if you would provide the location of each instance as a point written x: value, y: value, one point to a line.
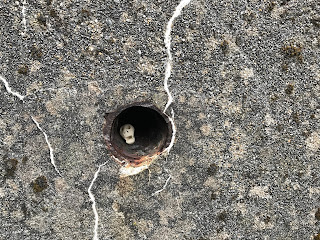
x: 246, y: 96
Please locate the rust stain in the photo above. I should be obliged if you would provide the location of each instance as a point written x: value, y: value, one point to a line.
x: 146, y: 154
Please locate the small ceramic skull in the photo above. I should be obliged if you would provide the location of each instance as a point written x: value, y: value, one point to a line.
x: 127, y: 132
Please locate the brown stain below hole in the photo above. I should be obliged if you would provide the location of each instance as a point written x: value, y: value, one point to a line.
x: 125, y: 186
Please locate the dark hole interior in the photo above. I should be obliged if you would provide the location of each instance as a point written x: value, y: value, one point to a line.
x: 150, y: 133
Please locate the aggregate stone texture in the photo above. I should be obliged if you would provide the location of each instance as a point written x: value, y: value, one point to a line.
x: 245, y: 82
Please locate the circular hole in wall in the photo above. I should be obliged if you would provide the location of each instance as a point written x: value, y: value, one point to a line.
x: 152, y: 132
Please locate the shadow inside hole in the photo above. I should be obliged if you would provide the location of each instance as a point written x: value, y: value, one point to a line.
x: 151, y: 132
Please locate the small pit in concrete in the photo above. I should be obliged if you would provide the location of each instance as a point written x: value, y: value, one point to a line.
x: 152, y: 132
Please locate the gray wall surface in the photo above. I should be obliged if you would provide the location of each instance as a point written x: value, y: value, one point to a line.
x: 246, y: 99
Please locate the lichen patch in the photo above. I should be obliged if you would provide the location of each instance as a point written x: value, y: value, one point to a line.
x: 246, y: 73
x: 260, y: 191
x: 313, y: 142
x: 205, y: 129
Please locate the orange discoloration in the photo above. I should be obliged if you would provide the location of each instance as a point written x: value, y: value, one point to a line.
x: 151, y: 141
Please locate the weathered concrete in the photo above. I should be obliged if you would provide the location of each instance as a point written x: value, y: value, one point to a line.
x: 246, y: 95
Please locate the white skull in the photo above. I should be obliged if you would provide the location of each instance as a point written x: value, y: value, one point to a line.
x: 127, y: 132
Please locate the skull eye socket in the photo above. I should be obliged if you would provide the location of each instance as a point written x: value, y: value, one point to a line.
x: 152, y: 131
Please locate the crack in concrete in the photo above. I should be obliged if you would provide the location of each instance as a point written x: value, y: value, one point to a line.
x: 163, y: 188
x: 167, y: 41
x: 174, y: 131
x: 24, y: 21
x: 93, y: 200
x: 9, y: 90
x: 49, y: 145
